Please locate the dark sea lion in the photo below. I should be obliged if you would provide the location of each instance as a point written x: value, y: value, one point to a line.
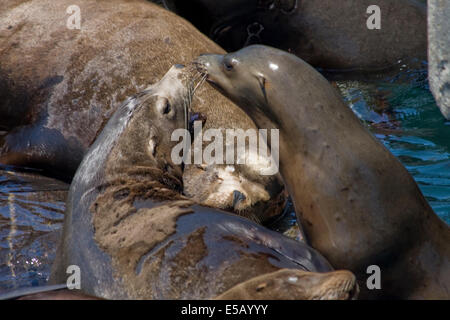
x: 59, y: 86
x: 326, y: 33
x: 358, y: 205
x: 134, y: 235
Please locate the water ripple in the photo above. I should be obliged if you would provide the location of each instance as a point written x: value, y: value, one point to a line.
x: 31, y: 213
x: 404, y: 117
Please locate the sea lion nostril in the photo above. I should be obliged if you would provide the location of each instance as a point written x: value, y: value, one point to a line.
x: 238, y: 197
x: 200, y: 65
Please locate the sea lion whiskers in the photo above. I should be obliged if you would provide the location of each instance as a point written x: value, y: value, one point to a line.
x: 191, y: 86
x: 194, y: 88
x: 200, y: 67
x: 195, y: 82
x: 201, y: 82
x: 197, y: 79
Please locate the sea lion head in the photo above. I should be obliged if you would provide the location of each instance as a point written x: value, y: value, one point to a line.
x: 248, y: 77
x: 139, y: 134
x: 297, y: 285
x: 169, y: 111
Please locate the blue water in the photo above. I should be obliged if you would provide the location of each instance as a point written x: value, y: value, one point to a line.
x: 402, y: 113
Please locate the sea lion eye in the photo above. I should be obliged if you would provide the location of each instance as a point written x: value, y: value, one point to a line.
x: 163, y: 106
x: 167, y: 107
x: 228, y: 65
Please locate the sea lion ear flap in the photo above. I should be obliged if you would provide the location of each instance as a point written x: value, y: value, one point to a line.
x: 262, y: 84
x: 152, y: 143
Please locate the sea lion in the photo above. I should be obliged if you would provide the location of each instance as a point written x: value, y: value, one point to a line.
x: 327, y: 33
x: 134, y: 235
x: 59, y: 86
x: 274, y: 286
x: 357, y: 203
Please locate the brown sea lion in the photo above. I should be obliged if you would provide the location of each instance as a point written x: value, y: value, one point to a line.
x: 134, y: 235
x: 358, y: 204
x: 59, y: 86
x: 326, y: 33
x: 313, y: 286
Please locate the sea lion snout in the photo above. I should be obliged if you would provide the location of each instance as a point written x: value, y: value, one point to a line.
x: 207, y: 64
x: 220, y: 70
